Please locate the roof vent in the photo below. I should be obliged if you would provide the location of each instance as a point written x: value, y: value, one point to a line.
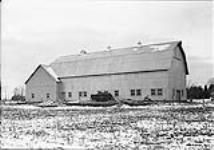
x: 109, y: 48
x: 83, y: 52
x: 139, y: 43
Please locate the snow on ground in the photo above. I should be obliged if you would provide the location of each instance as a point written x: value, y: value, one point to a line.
x: 176, y: 126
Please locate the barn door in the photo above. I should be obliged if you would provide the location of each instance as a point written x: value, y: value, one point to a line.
x: 178, y: 95
x: 62, y: 96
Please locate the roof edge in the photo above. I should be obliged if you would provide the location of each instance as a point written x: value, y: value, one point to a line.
x: 184, y: 56
x: 41, y: 66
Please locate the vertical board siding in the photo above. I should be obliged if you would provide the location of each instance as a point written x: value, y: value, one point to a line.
x: 40, y: 84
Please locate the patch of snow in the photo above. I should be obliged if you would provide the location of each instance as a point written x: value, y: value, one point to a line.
x: 19, y: 106
x: 160, y: 47
x: 119, y: 127
x: 50, y: 70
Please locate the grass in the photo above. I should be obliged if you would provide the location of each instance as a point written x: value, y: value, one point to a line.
x: 180, y: 126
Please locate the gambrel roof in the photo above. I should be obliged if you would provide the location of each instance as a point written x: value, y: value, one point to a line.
x: 145, y: 58
x: 133, y: 59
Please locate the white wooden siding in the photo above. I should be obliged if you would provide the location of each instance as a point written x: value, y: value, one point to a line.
x: 40, y: 84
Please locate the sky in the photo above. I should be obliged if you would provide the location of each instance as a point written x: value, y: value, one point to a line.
x: 38, y: 31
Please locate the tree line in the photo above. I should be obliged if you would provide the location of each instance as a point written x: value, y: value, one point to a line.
x: 199, y: 92
x: 18, y: 93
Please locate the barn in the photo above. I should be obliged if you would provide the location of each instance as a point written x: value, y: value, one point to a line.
x: 155, y: 70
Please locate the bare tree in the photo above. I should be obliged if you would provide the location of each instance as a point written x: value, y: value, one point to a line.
x: 5, y: 88
x: 18, y: 93
x: 21, y: 90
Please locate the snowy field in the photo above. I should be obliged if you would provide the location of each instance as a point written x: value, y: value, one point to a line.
x: 170, y: 127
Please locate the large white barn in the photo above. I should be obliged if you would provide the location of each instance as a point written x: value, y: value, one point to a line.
x: 156, y: 70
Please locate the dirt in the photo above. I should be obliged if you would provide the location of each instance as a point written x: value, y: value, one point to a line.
x: 150, y: 127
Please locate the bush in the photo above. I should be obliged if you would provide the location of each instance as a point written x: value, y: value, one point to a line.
x: 18, y: 98
x: 102, y: 97
x: 147, y: 98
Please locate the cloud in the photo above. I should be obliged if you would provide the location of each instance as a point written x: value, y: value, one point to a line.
x: 201, y: 69
x: 35, y: 32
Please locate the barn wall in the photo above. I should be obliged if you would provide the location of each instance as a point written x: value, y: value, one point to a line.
x: 124, y: 83
x: 177, y: 75
x: 40, y: 84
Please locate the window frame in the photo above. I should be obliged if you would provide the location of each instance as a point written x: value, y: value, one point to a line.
x: 84, y: 94
x: 160, y: 92
x: 132, y: 92
x: 138, y: 92
x: 116, y: 93
x: 69, y: 94
x: 32, y: 95
x: 80, y: 93
x: 47, y: 95
x: 153, y: 92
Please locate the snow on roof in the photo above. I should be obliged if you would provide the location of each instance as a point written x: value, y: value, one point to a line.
x: 160, y: 47
x: 153, y: 57
x: 48, y: 69
x: 144, y: 58
x: 51, y: 72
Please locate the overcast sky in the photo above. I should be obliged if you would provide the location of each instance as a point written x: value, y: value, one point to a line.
x: 38, y: 31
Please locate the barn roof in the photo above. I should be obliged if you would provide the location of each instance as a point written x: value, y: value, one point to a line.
x: 51, y: 72
x: 48, y: 70
x: 145, y: 58
x: 153, y: 57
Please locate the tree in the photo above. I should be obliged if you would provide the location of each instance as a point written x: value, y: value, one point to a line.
x: 18, y: 93
x: 206, y: 92
x: 211, y: 90
x: 195, y: 92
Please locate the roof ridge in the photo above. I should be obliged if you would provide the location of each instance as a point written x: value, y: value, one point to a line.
x: 93, y: 52
x: 119, y: 55
x: 115, y: 49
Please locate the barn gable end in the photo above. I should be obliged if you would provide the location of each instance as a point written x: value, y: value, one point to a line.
x: 177, y: 74
x: 41, y: 85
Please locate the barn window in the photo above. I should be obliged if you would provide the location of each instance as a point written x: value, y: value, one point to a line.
x: 182, y: 92
x: 48, y: 95
x: 63, y: 94
x: 80, y: 94
x: 69, y: 94
x: 153, y: 92
x: 132, y: 92
x: 32, y: 95
x: 116, y: 93
x: 85, y: 94
x: 138, y: 91
x: 160, y: 92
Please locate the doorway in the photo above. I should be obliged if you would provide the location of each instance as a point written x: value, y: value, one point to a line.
x: 178, y: 95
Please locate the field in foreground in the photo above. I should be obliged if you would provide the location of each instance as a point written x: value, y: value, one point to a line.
x: 150, y: 127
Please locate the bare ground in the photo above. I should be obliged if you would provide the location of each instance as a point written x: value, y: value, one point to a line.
x: 177, y: 126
